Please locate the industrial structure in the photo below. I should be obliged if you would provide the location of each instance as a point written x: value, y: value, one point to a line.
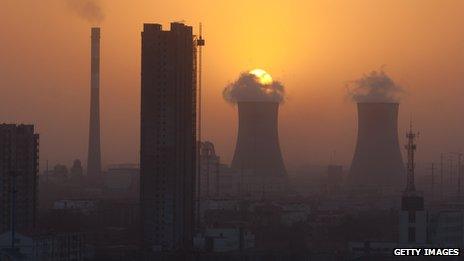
x: 413, y: 217
x: 377, y: 161
x: 209, y: 171
x: 94, y: 152
x: 168, y: 137
x: 450, y: 176
x: 257, y: 149
x: 19, y: 165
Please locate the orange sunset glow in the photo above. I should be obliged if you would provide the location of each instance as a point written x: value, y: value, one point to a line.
x: 314, y: 48
x: 262, y: 75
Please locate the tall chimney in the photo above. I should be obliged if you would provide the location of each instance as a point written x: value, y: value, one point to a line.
x: 94, y: 154
x: 257, y: 148
x: 377, y: 160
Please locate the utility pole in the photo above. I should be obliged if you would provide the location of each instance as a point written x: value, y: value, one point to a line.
x: 433, y: 181
x: 441, y: 176
x: 459, y: 175
x: 207, y: 172
x: 217, y: 178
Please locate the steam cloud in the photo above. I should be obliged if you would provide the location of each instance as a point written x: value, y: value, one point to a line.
x: 376, y: 86
x: 248, y: 88
x: 89, y: 10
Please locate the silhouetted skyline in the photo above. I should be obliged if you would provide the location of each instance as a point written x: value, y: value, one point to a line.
x: 317, y: 48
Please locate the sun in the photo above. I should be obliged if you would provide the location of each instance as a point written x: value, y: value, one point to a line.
x: 263, y: 77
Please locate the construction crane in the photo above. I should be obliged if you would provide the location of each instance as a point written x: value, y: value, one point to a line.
x: 199, y: 43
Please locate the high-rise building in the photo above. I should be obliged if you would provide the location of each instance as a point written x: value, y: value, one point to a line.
x: 19, y: 155
x: 168, y: 137
x: 94, y: 154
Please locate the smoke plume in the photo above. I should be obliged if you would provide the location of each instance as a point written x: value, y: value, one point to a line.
x: 89, y: 10
x: 376, y: 86
x: 248, y: 87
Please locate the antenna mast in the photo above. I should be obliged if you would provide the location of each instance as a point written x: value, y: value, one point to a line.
x: 411, y: 148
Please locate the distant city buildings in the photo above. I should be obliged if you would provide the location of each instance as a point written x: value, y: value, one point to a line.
x: 19, y: 155
x: 226, y: 239
x: 47, y: 246
x: 209, y: 171
x: 60, y: 173
x: 122, y: 181
x: 246, y: 211
x: 84, y: 206
x: 76, y: 170
x: 446, y: 227
x: 168, y: 137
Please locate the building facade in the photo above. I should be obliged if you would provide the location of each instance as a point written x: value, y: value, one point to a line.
x: 168, y: 137
x: 19, y: 155
x: 446, y: 228
x: 49, y: 246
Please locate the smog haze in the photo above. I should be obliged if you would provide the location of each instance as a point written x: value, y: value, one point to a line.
x: 314, y: 48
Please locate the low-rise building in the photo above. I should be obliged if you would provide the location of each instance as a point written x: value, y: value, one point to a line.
x: 446, y: 228
x: 48, y: 246
x: 85, y: 206
x: 225, y: 239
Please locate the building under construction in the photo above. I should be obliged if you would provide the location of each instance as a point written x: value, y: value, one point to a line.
x: 168, y: 137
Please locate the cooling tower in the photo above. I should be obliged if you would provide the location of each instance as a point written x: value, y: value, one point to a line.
x: 257, y: 148
x: 377, y: 159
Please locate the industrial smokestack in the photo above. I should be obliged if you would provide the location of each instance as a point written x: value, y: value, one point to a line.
x: 94, y: 154
x: 377, y: 160
x: 257, y: 146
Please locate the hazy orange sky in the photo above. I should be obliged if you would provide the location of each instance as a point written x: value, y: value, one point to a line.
x: 313, y: 47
